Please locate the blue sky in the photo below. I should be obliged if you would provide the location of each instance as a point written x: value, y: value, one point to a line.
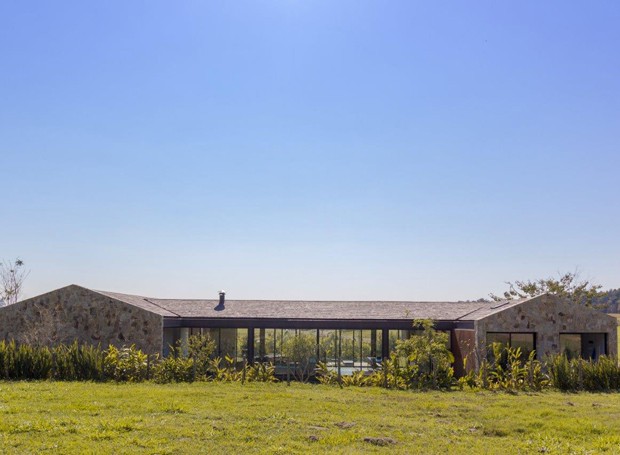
x: 309, y: 149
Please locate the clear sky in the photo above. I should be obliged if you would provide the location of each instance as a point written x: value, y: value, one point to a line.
x: 309, y: 149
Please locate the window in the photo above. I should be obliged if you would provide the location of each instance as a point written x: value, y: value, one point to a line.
x: 525, y: 341
x: 570, y: 345
x: 585, y: 345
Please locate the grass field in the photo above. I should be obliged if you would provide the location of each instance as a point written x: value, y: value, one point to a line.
x: 61, y: 417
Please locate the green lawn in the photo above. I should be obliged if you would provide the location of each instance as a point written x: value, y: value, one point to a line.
x: 273, y: 418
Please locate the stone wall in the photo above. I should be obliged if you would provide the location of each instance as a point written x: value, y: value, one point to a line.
x: 547, y: 316
x: 75, y: 313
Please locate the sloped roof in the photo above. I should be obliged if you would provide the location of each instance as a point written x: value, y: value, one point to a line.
x: 317, y: 310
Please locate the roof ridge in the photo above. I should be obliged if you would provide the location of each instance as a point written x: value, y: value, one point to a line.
x: 159, y: 306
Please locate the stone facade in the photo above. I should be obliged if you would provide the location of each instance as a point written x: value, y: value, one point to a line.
x: 75, y: 313
x: 547, y: 316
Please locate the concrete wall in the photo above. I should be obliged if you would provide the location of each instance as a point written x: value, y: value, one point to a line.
x: 74, y: 313
x: 547, y: 316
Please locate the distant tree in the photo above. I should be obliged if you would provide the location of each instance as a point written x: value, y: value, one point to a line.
x: 609, y: 301
x: 12, y: 276
x: 567, y: 286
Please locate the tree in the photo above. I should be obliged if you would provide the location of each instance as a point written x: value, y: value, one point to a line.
x: 568, y: 286
x: 300, y: 350
x: 428, y: 358
x: 609, y: 302
x: 12, y: 276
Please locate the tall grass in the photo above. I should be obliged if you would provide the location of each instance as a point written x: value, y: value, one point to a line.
x: 24, y: 361
x: 584, y: 375
x: 78, y: 362
x: 72, y: 362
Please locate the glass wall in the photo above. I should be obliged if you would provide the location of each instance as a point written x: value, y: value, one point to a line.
x: 356, y: 349
x: 341, y: 350
x: 228, y: 342
x: 348, y: 350
x: 171, y: 337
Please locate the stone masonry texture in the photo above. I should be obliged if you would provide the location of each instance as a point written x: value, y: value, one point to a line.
x: 75, y: 313
x: 547, y: 316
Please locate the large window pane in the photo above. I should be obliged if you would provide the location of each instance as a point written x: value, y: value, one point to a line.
x: 525, y: 341
x: 242, y: 344
x: 228, y: 343
x: 171, y: 337
x: 495, y: 341
x: 570, y: 345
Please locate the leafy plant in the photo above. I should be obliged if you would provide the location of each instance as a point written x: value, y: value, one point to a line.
x: 324, y: 375
x: 389, y: 375
x: 428, y: 361
x: 261, y: 372
x: 226, y: 372
x: 174, y: 369
x: 200, y: 349
x: 508, y: 371
x: 356, y: 379
x: 125, y: 364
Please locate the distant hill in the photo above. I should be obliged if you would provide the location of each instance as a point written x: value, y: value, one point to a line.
x: 609, y: 302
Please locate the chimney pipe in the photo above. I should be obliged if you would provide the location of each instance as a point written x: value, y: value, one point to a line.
x: 222, y: 298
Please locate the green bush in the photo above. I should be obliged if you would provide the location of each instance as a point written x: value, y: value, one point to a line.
x: 584, y: 375
x: 200, y: 349
x: 125, y: 364
x: 261, y: 372
x: 225, y: 372
x: 426, y: 357
x: 508, y: 371
x: 174, y: 369
x: 324, y: 375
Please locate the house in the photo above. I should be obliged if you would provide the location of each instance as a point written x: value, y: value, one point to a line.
x: 352, y: 334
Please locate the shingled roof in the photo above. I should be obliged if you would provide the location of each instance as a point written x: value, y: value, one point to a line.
x: 316, y: 310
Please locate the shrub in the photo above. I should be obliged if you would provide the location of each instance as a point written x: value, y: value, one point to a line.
x: 428, y: 361
x: 357, y: 379
x: 300, y: 350
x: 125, y: 364
x: 78, y: 362
x: 580, y: 374
x: 508, y: 371
x: 200, y: 350
x: 389, y: 375
x: 226, y: 372
x: 261, y: 372
x: 324, y: 375
x: 174, y: 369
